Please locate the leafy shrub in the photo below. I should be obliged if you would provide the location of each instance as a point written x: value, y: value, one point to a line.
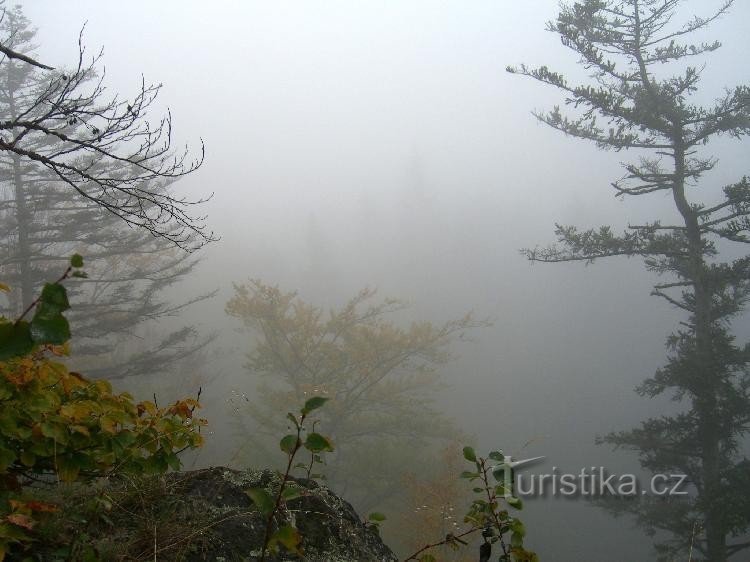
x: 487, y: 512
x: 58, y: 426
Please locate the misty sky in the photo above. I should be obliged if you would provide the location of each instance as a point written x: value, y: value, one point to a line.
x: 382, y: 144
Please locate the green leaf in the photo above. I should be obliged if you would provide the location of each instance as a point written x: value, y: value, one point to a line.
x: 80, y: 274
x: 174, y: 462
x: 500, y: 471
x: 469, y: 475
x: 155, y: 464
x: 54, y: 296
x: 427, y: 558
x: 124, y: 438
x: 28, y: 458
x: 316, y: 443
x: 291, y: 417
x: 313, y: 404
x: 515, y: 502
x: 90, y: 554
x: 261, y: 499
x: 469, y: 454
x: 6, y: 458
x: 288, y: 537
x: 50, y: 328
x: 55, y: 431
x: 76, y: 260
x: 501, y: 491
x: 376, y: 516
x: 15, y: 340
x: 290, y: 494
x: 516, y: 525
x: 516, y: 540
x: 289, y: 443
x: 48, y: 324
x: 497, y: 456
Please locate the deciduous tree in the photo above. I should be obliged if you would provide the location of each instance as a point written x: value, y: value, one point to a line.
x: 64, y: 150
x: 103, y: 148
x: 380, y: 379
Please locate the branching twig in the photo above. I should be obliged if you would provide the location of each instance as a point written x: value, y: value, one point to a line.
x: 449, y: 538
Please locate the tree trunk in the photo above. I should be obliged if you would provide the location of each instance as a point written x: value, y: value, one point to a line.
x: 23, y: 217
x: 705, y: 398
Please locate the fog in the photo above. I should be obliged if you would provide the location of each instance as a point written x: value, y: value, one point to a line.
x: 366, y: 144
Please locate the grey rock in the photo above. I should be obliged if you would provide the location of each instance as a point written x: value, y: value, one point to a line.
x: 233, y: 529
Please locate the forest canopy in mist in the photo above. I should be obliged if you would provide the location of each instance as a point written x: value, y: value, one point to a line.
x: 520, y: 228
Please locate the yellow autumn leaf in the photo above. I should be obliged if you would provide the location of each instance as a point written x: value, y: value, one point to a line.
x: 68, y: 411
x: 103, y: 386
x: 73, y: 381
x: 62, y: 350
x: 108, y: 424
x: 81, y: 429
x: 148, y: 407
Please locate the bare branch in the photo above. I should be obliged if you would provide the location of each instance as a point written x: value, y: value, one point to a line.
x: 11, y: 54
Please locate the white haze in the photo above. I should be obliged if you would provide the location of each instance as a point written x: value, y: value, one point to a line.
x: 382, y: 144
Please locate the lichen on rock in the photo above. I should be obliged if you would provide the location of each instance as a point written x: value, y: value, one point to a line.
x: 196, y: 516
x: 330, y: 528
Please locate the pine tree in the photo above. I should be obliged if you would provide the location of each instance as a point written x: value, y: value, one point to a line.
x: 639, y: 98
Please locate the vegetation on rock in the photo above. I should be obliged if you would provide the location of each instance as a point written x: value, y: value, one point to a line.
x: 57, y: 426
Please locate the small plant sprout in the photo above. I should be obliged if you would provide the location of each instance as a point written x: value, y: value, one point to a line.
x: 287, y: 534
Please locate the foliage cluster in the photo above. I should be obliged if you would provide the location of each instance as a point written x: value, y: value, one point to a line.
x: 58, y: 426
x: 485, y: 513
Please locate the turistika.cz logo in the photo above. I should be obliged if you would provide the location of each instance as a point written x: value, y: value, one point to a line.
x: 589, y: 481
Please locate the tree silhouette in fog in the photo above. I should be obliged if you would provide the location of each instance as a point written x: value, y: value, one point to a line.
x: 380, y: 379
x: 80, y: 172
x: 639, y: 98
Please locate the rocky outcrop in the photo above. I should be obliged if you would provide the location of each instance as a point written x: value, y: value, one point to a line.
x: 232, y: 529
x: 194, y: 516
